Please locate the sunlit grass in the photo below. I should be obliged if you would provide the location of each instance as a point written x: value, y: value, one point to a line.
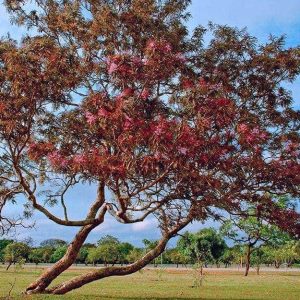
x: 165, y: 284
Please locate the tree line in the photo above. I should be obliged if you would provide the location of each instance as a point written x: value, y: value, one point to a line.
x: 205, y: 247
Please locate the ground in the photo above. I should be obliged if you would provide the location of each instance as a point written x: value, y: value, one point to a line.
x: 164, y: 284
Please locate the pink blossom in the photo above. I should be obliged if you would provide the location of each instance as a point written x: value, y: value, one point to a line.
x: 128, y: 123
x: 91, y: 119
x: 151, y: 45
x: 112, y: 67
x: 167, y: 48
x: 57, y: 160
x: 145, y: 94
x: 242, y: 128
x: 180, y: 57
x: 127, y: 92
x: 102, y: 112
x: 79, y: 159
x: 183, y: 150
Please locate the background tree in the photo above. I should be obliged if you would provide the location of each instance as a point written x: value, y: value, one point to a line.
x: 134, y: 255
x: 119, y: 94
x: 252, y: 232
x: 36, y: 255
x: 58, y: 254
x: 53, y: 243
x: 15, y: 253
x: 202, y: 247
x: 3, y: 244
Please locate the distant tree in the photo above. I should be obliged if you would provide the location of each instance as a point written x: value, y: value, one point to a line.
x: 124, y: 250
x: 93, y: 256
x: 108, y: 239
x: 228, y: 257
x: 36, y: 255
x: 47, y: 253
x: 15, y: 252
x: 83, y: 253
x: 58, y: 253
x: 202, y: 247
x: 53, y: 243
x: 286, y: 253
x: 252, y: 232
x: 134, y: 255
x: 176, y: 257
x: 109, y: 253
x: 3, y: 244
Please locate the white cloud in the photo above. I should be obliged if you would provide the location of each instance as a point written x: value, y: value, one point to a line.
x: 145, y: 225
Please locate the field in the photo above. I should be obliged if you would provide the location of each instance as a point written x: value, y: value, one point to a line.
x: 165, y: 284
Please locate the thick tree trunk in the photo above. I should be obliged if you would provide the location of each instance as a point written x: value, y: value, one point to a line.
x: 81, y: 280
x: 64, y: 263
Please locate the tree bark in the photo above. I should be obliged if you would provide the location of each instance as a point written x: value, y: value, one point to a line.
x: 64, y: 263
x: 81, y: 280
x: 248, y: 255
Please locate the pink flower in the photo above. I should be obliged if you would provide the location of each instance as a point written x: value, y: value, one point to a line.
x: 242, y: 128
x: 128, y: 123
x: 90, y: 118
x: 79, y: 159
x: 167, y: 48
x: 183, y: 150
x: 127, y: 92
x: 112, y: 67
x: 151, y: 45
x: 57, y: 160
x: 102, y: 112
x: 145, y: 94
x: 180, y: 57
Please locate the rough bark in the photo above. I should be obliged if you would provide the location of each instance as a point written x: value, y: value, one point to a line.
x: 81, y: 280
x: 64, y: 263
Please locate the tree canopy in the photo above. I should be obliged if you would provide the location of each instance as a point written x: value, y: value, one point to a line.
x: 119, y: 94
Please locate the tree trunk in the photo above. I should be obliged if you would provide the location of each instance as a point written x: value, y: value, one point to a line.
x: 257, y: 269
x: 248, y: 255
x: 8, y: 266
x: 81, y: 280
x: 64, y: 263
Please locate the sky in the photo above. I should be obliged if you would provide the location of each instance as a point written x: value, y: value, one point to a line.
x: 261, y: 17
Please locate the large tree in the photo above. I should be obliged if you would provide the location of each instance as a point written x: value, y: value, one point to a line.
x: 119, y: 95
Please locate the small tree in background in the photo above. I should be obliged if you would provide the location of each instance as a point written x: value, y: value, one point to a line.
x: 15, y: 253
x: 252, y: 232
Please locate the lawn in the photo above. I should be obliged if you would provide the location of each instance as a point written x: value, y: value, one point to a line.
x: 165, y: 284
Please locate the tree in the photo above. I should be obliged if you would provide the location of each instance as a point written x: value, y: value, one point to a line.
x: 36, y: 255
x: 176, y: 257
x: 58, y: 254
x: 84, y: 252
x: 202, y: 247
x: 3, y: 244
x: 53, y: 243
x: 252, y: 232
x: 134, y: 255
x: 15, y: 252
x: 286, y: 253
x: 120, y: 95
x: 124, y: 250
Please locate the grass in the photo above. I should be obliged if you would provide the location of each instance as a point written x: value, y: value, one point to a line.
x: 165, y: 284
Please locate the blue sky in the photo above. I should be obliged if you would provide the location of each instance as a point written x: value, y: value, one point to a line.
x: 261, y: 17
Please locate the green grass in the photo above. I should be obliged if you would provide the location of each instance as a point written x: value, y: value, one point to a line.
x: 171, y: 284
